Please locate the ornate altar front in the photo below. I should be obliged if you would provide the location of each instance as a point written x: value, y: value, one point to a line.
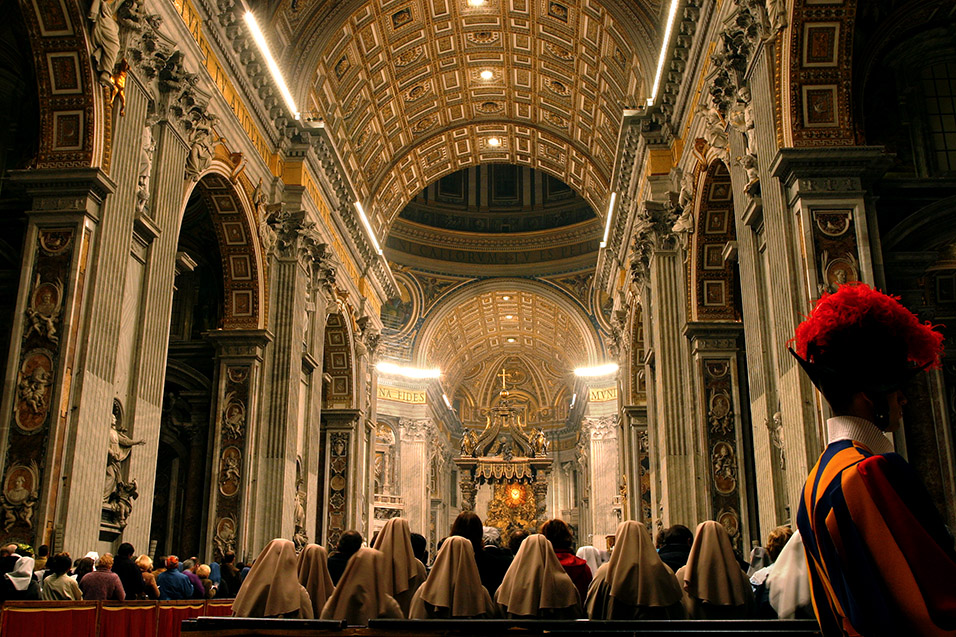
x: 514, y: 461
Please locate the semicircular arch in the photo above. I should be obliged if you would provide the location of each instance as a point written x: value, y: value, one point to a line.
x: 242, y: 260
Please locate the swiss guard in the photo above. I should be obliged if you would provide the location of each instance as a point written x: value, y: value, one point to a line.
x: 881, y: 560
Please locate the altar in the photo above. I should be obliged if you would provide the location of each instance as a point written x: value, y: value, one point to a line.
x: 513, y: 461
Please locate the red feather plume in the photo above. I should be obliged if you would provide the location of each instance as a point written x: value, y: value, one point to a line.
x: 858, y: 306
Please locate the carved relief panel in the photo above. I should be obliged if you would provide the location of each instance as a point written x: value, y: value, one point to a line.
x: 229, y: 468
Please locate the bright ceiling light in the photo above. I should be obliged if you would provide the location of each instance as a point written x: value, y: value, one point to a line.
x: 607, y: 223
x: 270, y: 62
x: 506, y: 298
x: 509, y: 316
x: 574, y: 399
x: 511, y: 339
x: 600, y: 370
x: 486, y: 75
x: 477, y: 3
x: 494, y: 141
x: 408, y: 372
x: 671, y: 14
x: 444, y: 397
x: 368, y: 227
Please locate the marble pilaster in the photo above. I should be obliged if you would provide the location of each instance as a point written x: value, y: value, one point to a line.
x: 38, y: 419
x: 234, y: 436
x: 603, y: 475
x: 415, y: 462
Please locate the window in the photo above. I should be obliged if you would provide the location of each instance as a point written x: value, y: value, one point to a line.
x: 939, y: 90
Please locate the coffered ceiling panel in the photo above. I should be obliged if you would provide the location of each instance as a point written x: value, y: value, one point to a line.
x: 488, y: 321
x: 416, y: 89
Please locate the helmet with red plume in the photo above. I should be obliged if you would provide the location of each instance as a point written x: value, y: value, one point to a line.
x: 860, y: 339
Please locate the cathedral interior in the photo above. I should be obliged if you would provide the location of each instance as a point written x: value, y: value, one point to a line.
x: 291, y: 268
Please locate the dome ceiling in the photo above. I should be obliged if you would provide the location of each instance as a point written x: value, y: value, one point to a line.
x: 484, y: 322
x: 414, y: 90
x: 497, y: 214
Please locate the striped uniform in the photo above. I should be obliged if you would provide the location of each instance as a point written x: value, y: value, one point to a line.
x: 881, y: 561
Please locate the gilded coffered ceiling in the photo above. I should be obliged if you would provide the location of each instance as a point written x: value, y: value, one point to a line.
x: 412, y: 90
x: 483, y: 322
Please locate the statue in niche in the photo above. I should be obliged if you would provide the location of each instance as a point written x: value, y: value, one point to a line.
x: 119, y: 449
x: 749, y: 163
x: 299, y: 537
x: 105, y: 40
x: 741, y: 116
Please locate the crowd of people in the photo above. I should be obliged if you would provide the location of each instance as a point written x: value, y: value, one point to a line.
x: 113, y: 578
x: 536, y: 575
x: 871, y: 554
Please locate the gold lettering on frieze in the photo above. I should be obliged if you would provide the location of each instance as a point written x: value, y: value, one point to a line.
x: 410, y: 396
x: 602, y: 395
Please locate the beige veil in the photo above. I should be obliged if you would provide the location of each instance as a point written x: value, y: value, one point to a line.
x: 271, y: 588
x: 313, y: 572
x: 536, y: 580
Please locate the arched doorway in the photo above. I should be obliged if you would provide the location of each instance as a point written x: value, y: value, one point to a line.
x: 216, y: 289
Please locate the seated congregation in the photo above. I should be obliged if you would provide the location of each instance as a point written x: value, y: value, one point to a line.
x: 536, y: 577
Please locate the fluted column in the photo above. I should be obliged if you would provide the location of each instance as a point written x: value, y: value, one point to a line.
x: 415, y: 460
x: 602, y: 441
x: 295, y: 299
x: 672, y: 437
x: 827, y: 197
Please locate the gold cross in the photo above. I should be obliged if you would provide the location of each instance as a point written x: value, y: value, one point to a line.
x: 504, y: 376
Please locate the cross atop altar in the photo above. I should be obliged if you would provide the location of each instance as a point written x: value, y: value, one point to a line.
x: 504, y: 452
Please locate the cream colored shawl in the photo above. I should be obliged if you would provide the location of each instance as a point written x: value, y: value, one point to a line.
x: 789, y: 581
x: 403, y: 572
x: 712, y: 573
x: 536, y: 580
x: 313, y: 573
x: 453, y: 584
x: 636, y: 574
x: 271, y: 588
x: 360, y: 594
x: 594, y: 556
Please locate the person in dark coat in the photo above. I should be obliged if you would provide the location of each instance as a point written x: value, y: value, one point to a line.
x: 131, y: 575
x: 349, y: 543
x: 675, y: 543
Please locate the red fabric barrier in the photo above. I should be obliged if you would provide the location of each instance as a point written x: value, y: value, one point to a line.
x: 172, y: 614
x: 126, y: 620
x: 219, y: 608
x: 53, y: 619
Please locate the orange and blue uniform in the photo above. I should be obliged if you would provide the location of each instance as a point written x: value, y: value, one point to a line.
x: 880, y: 558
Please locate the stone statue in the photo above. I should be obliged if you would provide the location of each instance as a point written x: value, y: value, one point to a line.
x: 121, y: 501
x: 749, y: 163
x: 146, y: 151
x: 201, y: 150
x: 32, y: 389
x: 120, y: 446
x: 299, y: 537
x: 19, y: 501
x: 715, y: 129
x: 777, y: 15
x: 104, y: 37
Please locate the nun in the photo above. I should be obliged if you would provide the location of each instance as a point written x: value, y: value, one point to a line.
x: 453, y: 589
x: 536, y: 585
x: 404, y: 573
x: 271, y: 588
x: 714, y: 584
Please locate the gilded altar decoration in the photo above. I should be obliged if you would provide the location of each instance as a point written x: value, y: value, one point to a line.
x: 505, y: 452
x: 512, y: 508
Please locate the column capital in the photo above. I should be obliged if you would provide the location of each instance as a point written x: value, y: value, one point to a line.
x: 829, y: 172
x: 416, y: 430
x: 710, y: 336
x: 72, y: 190
x: 239, y: 344
x: 603, y: 428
